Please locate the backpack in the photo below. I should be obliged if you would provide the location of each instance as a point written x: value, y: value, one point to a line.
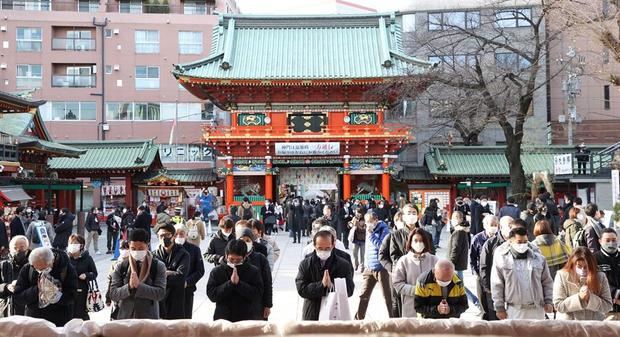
x: 580, y: 239
x: 247, y: 213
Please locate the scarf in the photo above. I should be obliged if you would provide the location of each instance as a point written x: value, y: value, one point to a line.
x: 144, y: 268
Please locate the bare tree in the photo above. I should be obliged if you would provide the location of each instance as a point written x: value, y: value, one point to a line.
x: 492, y: 67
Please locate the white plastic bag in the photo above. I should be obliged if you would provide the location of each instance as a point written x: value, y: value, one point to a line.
x: 335, y: 306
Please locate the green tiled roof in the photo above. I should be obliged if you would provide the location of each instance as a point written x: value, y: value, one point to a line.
x: 16, y: 123
x: 110, y: 155
x: 51, y: 147
x: 489, y: 161
x: 305, y: 48
x: 415, y: 173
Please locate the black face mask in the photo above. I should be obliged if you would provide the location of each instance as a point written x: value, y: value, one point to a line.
x: 21, y: 257
x: 167, y: 242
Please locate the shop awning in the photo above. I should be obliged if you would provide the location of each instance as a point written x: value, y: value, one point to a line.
x: 13, y: 193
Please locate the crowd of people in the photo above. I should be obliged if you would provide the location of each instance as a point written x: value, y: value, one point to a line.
x: 540, y: 262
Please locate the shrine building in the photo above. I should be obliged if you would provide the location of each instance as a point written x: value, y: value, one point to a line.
x: 306, y: 103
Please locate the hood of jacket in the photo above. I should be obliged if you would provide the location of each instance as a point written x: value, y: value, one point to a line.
x: 545, y: 239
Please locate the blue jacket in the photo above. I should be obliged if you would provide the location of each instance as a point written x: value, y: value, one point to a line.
x: 510, y: 210
x: 476, y: 248
x: 373, y: 245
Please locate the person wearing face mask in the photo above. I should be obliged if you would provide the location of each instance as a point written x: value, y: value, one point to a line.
x: 408, y: 268
x: 86, y: 270
x: 138, y: 283
x: 123, y: 256
x: 529, y: 215
x: 196, y: 268
x: 217, y: 245
x: 376, y: 231
x: 572, y: 226
x: 608, y: 260
x: 439, y: 293
x: 551, y: 247
x: 357, y: 232
x: 41, y: 225
x: 235, y: 287
x: 398, y: 239
x: 386, y: 260
x: 511, y: 208
x: 317, y: 272
x: 17, y: 223
x: 580, y: 291
x: 176, y: 259
x: 458, y: 248
x: 9, y: 270
x: 46, y: 286
x: 491, y: 227
x: 593, y: 228
x: 93, y: 229
x: 461, y: 206
x: 259, y: 261
x: 268, y: 216
x: 477, y: 214
x: 273, y: 251
x: 295, y: 217
x: 521, y: 285
x: 63, y: 229
x: 196, y: 229
x: 258, y: 247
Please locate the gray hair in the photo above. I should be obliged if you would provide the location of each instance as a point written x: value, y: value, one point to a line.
x: 329, y: 229
x: 444, y: 264
x: 181, y: 228
x: 506, y: 220
x: 41, y: 253
x: 14, y: 242
x: 488, y: 220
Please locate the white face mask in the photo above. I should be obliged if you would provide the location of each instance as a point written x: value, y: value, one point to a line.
x: 180, y: 241
x: 505, y: 231
x: 138, y: 255
x: 454, y: 222
x: 492, y: 230
x: 46, y: 270
x: 73, y: 248
x: 443, y: 283
x: 581, y: 272
x: 399, y: 224
x: 418, y: 247
x: 410, y: 219
x: 323, y: 254
x: 124, y: 253
x: 484, y: 203
x: 520, y: 247
x: 250, y: 246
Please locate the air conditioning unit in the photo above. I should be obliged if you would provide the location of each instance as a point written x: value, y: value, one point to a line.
x: 117, y: 67
x: 2, y: 28
x: 3, y: 66
x: 94, y: 69
x: 116, y: 31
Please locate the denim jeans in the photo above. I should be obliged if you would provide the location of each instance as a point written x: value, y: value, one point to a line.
x: 471, y: 296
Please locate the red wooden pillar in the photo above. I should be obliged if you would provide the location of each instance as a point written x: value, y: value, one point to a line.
x: 268, y: 178
x: 129, y: 196
x: 385, y: 178
x: 230, y: 181
x: 346, y: 178
x: 72, y: 201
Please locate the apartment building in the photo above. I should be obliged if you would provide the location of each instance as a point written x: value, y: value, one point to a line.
x: 104, y: 69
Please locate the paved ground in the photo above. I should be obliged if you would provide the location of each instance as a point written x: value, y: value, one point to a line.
x: 287, y: 303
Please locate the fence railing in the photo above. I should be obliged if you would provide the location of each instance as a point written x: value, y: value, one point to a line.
x: 188, y: 8
x: 74, y: 81
x: 73, y: 44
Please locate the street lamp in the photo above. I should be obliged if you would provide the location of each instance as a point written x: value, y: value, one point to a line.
x: 571, y: 85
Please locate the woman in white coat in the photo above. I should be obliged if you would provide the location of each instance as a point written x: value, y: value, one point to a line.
x: 580, y: 291
x: 409, y: 267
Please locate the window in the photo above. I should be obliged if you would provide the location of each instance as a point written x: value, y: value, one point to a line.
x: 133, y: 6
x: 451, y: 20
x: 28, y: 76
x: 513, y: 18
x: 146, y: 111
x: 195, y: 8
x: 88, y: 6
x: 190, y: 42
x: 511, y: 61
x: 458, y: 61
x: 108, y: 33
x: 408, y: 23
x: 28, y: 39
x: 80, y: 40
x: 119, y: 111
x: 607, y: 100
x: 147, y: 41
x: 28, y: 5
x: 62, y: 111
x: 108, y: 69
x: 147, y: 77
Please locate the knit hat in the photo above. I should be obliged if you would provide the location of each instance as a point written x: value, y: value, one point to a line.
x: 167, y: 226
x: 239, y: 233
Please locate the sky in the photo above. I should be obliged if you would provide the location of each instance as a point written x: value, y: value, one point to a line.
x: 311, y: 6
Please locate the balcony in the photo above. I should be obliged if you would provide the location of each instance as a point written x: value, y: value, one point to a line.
x: 8, y: 150
x: 73, y: 44
x: 187, y: 8
x: 39, y: 6
x: 74, y: 81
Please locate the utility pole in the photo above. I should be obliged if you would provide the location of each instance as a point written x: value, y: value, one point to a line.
x: 571, y: 86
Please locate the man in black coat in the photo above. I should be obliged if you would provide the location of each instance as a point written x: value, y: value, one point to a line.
x: 217, y: 246
x: 235, y: 287
x: 608, y: 260
x: 295, y: 217
x: 48, y: 263
x: 176, y: 260
x: 17, y: 225
x: 63, y: 229
x: 259, y: 261
x: 143, y: 220
x: 4, y: 238
x: 477, y: 211
x: 9, y: 271
x: 317, y: 273
x: 196, y: 267
x: 268, y: 216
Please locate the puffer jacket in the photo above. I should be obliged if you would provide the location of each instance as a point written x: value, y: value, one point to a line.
x: 569, y: 305
x: 458, y: 247
x: 406, y: 273
x: 555, y: 252
x: 571, y: 227
x: 428, y: 295
x: 375, y: 238
x: 217, y: 247
x: 504, y: 290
